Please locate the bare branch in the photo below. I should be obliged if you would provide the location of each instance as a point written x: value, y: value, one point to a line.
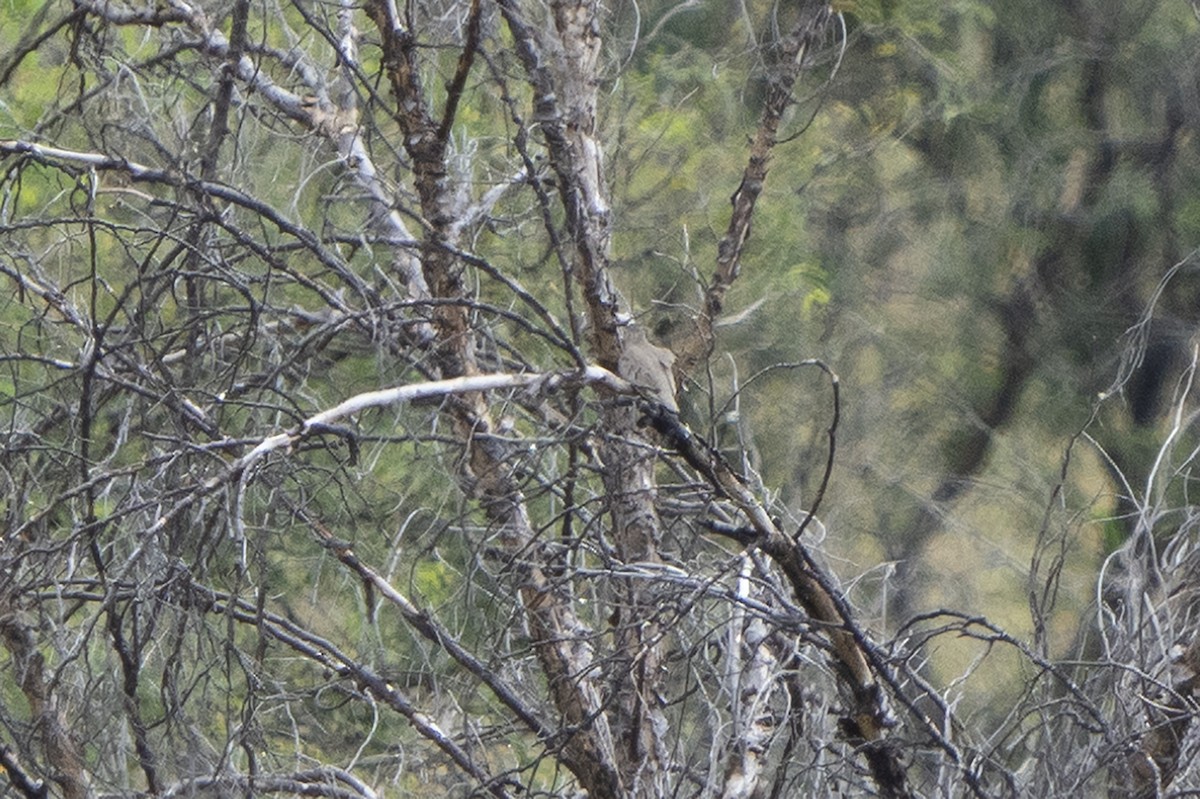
x: 804, y: 36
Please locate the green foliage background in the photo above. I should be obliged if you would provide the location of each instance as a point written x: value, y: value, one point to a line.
x: 965, y: 225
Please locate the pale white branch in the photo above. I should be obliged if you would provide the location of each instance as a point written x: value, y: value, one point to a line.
x: 400, y: 395
x: 240, y: 468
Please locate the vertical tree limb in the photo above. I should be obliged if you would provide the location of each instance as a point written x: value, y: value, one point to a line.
x: 563, y: 70
x: 561, y: 638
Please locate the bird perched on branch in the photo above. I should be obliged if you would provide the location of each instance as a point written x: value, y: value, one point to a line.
x: 647, y: 366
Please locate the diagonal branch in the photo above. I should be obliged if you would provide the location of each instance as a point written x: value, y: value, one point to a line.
x: 64, y: 755
x: 326, y: 653
x: 29, y: 786
x: 808, y: 31
x: 868, y: 718
x: 465, y: 59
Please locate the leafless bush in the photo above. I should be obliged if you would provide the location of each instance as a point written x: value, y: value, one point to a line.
x: 328, y: 472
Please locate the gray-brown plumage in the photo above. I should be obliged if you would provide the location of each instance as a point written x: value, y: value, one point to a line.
x: 647, y: 366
